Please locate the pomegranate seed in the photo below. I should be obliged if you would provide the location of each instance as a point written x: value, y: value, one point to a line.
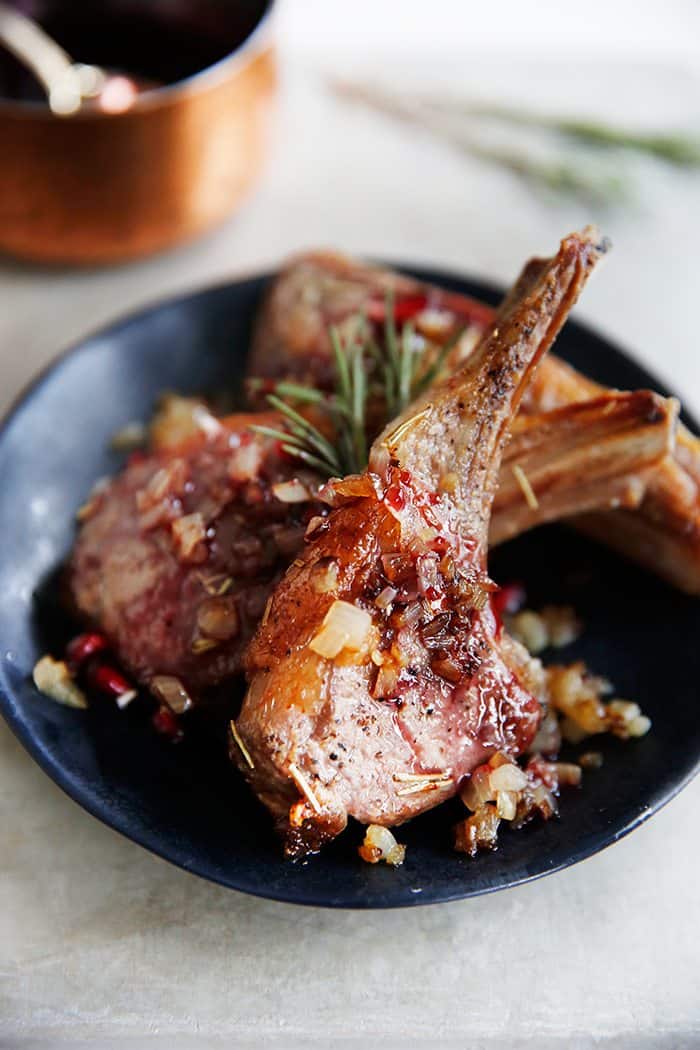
x: 84, y: 646
x: 433, y: 594
x: 395, y: 497
x: 111, y: 682
x: 509, y: 598
x: 404, y: 308
x: 165, y: 723
x: 440, y: 545
x: 405, y: 476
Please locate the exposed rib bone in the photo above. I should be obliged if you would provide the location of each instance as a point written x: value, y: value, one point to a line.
x: 580, y: 458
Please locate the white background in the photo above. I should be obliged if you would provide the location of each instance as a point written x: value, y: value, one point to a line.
x: 99, y: 940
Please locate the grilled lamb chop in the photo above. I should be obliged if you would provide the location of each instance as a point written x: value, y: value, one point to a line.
x: 177, y: 554
x: 663, y: 533
x: 380, y: 676
x: 321, y: 289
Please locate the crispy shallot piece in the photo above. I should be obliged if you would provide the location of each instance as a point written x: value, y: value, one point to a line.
x: 374, y: 694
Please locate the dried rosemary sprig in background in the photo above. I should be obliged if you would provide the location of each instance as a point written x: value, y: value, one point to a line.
x: 584, y: 176
x: 681, y: 150
x: 386, y: 374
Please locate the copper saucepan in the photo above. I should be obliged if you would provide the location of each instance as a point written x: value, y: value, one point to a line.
x: 100, y: 187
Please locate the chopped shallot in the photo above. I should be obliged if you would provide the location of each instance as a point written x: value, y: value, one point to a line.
x: 172, y: 692
x: 380, y: 844
x: 291, y: 491
x: 385, y: 598
x: 554, y: 626
x: 217, y: 618
x: 479, y: 831
x: 53, y: 679
x: 508, y: 777
x: 189, y: 535
x: 178, y: 419
x: 345, y: 626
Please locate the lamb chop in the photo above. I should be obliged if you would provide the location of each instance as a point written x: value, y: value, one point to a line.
x: 320, y: 289
x: 663, y: 532
x: 176, y: 555
x: 380, y: 675
x: 659, y: 529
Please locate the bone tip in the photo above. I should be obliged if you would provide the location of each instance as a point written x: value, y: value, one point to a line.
x: 592, y: 236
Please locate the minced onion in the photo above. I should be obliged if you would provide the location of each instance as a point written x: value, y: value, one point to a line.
x: 508, y: 777
x: 291, y: 491
x: 172, y: 692
x: 380, y: 844
x: 53, y: 679
x: 345, y: 626
x: 188, y: 533
x: 218, y: 618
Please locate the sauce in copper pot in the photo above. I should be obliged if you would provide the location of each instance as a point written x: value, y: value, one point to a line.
x: 153, y: 41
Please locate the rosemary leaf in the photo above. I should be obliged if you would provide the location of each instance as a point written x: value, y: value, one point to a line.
x: 303, y: 428
x: 307, y: 394
x: 341, y: 366
x: 392, y: 345
x: 359, y: 400
x: 271, y: 432
x: 327, y: 469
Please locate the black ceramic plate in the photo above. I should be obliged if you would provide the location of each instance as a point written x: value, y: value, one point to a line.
x: 186, y: 803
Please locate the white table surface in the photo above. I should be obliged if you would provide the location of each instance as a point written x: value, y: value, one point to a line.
x: 102, y: 944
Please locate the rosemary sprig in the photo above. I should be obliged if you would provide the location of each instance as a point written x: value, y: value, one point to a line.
x: 286, y: 389
x: 682, y: 150
x: 400, y: 381
x: 598, y: 181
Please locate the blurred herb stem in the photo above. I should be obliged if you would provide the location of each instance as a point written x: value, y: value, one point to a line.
x: 451, y: 121
x: 679, y: 149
